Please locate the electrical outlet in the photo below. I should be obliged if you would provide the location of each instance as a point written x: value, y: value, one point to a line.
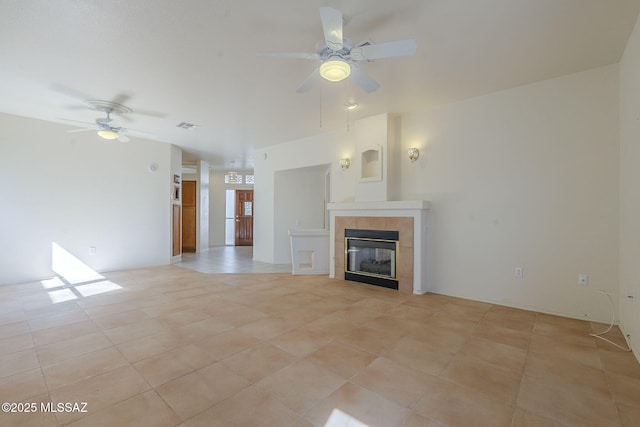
x: 92, y: 250
x: 518, y: 272
x: 583, y: 280
x: 630, y: 294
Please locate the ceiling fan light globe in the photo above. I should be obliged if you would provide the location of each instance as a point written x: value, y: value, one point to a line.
x: 335, y: 70
x: 107, y: 134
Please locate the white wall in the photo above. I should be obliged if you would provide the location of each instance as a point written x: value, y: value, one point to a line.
x: 629, y: 194
x: 317, y: 150
x: 526, y: 177
x: 378, y: 133
x: 78, y: 190
x: 203, y: 206
x: 300, y: 203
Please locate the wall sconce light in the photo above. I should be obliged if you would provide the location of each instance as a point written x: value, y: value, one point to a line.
x: 414, y: 153
x: 345, y: 163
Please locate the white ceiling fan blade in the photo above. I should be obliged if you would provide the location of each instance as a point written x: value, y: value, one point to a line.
x: 332, y: 27
x: 121, y: 98
x: 309, y: 81
x: 72, y: 93
x: 363, y: 80
x: 123, y: 138
x: 383, y: 50
x: 77, y: 121
x: 289, y: 55
x: 80, y: 130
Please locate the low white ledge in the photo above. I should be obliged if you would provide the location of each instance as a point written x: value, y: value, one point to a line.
x: 309, y: 251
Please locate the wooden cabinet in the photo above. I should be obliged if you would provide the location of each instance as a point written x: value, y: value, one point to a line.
x: 188, y: 216
x: 176, y: 243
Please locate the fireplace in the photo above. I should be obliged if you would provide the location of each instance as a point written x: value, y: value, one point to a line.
x: 371, y: 257
x: 408, y: 217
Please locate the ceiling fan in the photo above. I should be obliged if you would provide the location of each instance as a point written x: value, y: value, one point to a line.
x: 339, y: 57
x: 106, y: 127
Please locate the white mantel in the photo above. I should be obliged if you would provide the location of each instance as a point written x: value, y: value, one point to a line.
x: 417, y: 209
x: 372, y: 207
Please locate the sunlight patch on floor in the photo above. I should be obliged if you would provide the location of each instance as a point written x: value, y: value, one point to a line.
x: 97, y: 288
x: 54, y: 282
x: 342, y: 419
x: 62, y: 295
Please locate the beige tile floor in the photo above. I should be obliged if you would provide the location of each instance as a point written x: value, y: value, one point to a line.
x: 176, y: 347
x: 230, y: 259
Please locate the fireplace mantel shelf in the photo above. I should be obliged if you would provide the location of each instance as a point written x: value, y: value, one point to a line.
x: 373, y: 206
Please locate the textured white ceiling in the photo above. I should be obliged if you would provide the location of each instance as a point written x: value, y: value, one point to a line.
x: 195, y: 61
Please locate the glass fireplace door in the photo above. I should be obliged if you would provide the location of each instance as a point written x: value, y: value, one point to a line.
x: 371, y: 257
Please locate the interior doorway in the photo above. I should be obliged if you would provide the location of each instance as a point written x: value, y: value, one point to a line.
x: 244, y: 210
x: 239, y: 212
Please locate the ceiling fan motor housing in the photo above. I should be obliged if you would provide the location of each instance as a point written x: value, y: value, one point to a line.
x: 327, y: 53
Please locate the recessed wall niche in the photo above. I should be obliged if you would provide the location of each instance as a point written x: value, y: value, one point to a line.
x: 371, y: 161
x: 376, y: 153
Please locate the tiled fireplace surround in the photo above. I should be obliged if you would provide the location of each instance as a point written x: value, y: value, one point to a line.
x: 406, y: 217
x: 403, y: 225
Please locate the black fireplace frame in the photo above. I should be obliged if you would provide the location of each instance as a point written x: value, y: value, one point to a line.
x: 372, y: 235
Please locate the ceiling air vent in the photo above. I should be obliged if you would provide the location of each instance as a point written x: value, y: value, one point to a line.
x: 187, y: 126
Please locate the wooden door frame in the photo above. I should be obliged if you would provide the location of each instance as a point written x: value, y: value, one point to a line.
x: 242, y: 221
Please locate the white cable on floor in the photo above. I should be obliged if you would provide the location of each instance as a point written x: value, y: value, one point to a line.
x: 613, y: 318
